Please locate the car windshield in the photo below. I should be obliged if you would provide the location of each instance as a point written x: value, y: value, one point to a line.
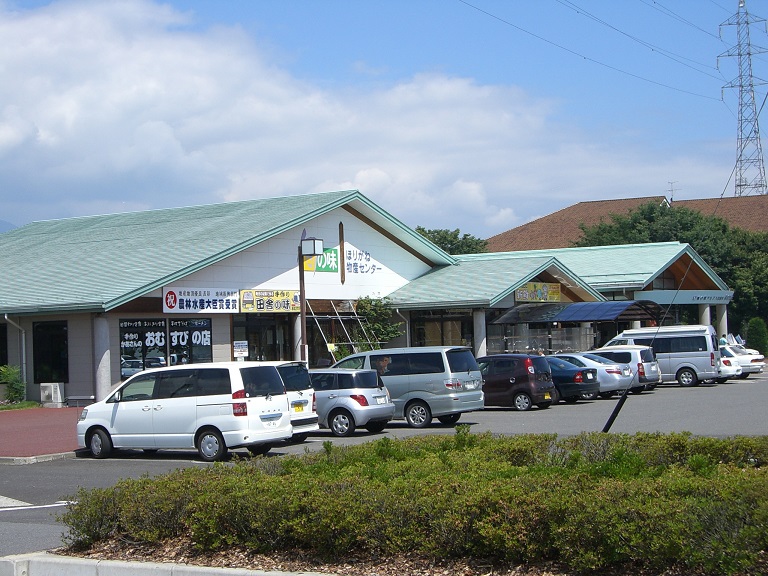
x: 600, y: 359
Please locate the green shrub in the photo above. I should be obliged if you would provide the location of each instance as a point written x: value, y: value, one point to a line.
x: 591, y: 502
x: 15, y: 387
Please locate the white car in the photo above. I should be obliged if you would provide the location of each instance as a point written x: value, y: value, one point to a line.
x: 728, y: 368
x: 750, y: 363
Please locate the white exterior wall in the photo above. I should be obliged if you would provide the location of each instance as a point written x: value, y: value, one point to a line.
x: 273, y: 264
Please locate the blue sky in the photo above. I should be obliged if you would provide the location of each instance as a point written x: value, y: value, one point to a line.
x: 472, y: 114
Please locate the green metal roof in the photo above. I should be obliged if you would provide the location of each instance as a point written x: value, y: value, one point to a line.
x: 100, y: 262
x: 483, y: 280
x: 630, y: 266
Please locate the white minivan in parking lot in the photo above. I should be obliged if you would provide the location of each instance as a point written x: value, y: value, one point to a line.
x: 211, y: 407
x: 426, y: 382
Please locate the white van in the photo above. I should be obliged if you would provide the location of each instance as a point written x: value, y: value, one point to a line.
x: 426, y: 382
x: 301, y: 398
x: 686, y: 354
x: 211, y: 407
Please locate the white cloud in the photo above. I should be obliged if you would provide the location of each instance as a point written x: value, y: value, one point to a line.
x: 116, y: 106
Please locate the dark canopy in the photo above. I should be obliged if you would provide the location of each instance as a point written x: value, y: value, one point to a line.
x: 610, y: 311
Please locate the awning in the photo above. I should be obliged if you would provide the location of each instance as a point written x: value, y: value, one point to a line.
x: 626, y: 310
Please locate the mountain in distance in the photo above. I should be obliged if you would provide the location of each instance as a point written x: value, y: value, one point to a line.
x: 5, y: 226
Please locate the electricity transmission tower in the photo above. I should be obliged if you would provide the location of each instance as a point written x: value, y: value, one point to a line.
x: 750, y: 168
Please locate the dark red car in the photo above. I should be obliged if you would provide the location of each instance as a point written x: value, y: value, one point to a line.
x: 518, y: 381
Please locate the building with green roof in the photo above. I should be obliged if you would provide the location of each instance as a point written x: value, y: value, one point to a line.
x: 84, y: 301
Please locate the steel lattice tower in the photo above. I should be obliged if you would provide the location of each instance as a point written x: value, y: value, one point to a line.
x: 750, y: 168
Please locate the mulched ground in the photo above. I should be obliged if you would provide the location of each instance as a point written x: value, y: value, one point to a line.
x: 180, y: 552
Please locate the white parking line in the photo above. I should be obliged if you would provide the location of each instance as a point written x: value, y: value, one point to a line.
x: 10, y: 502
x: 6, y: 507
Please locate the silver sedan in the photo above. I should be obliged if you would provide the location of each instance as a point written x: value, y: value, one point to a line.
x: 613, y: 378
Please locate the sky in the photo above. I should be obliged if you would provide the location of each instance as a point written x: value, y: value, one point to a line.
x: 477, y: 115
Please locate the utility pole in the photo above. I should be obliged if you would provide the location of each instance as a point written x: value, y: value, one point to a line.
x: 750, y: 168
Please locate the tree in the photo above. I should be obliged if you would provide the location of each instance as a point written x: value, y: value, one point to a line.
x: 757, y: 335
x: 451, y: 242
x: 738, y: 256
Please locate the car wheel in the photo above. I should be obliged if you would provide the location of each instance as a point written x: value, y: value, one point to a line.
x: 521, y: 402
x: 299, y: 438
x: 744, y: 375
x: 100, y: 444
x: 637, y: 390
x: 259, y: 449
x: 543, y: 405
x: 571, y: 399
x: 375, y: 427
x: 686, y: 377
x: 211, y: 446
x: 590, y: 396
x: 450, y: 419
x: 341, y: 423
x: 417, y: 414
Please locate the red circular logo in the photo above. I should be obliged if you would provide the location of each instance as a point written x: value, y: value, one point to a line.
x: 170, y: 299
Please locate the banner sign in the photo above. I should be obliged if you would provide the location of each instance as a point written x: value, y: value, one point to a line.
x: 273, y: 301
x: 200, y: 300
x: 538, y: 292
x: 328, y: 261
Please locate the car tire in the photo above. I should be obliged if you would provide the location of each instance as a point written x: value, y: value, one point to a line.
x: 375, y: 427
x: 744, y: 375
x: 100, y: 444
x: 686, y: 377
x: 543, y: 405
x: 721, y: 380
x: 449, y: 419
x: 211, y: 446
x: 637, y: 390
x: 417, y: 414
x: 521, y: 402
x: 341, y: 423
x: 259, y: 449
x: 571, y: 399
x: 300, y: 437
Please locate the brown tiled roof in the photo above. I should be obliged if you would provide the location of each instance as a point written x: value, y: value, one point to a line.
x: 561, y: 229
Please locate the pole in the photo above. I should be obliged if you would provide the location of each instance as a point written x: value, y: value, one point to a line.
x: 303, y: 307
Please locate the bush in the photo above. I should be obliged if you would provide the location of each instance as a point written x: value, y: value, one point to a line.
x: 591, y: 502
x: 15, y: 387
x: 757, y: 335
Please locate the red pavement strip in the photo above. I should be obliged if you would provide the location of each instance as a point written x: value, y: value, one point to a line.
x: 38, y: 431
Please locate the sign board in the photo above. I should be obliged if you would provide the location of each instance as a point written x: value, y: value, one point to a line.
x: 272, y: 301
x: 538, y: 292
x: 328, y: 261
x: 240, y: 348
x: 178, y: 300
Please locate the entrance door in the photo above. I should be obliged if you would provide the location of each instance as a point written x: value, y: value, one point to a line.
x: 268, y: 335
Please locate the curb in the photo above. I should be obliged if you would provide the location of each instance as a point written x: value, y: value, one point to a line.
x: 44, y: 563
x: 18, y: 460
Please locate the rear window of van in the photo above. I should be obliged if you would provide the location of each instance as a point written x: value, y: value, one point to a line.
x: 461, y: 361
x: 262, y: 381
x: 295, y: 376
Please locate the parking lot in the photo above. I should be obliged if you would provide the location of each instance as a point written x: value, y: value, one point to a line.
x: 35, y: 491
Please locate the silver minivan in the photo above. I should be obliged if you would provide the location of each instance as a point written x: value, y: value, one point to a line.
x: 211, y: 407
x: 686, y: 354
x: 426, y: 382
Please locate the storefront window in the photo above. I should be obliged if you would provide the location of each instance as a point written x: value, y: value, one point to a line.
x: 162, y: 342
x: 268, y: 335
x: 51, y: 352
x: 442, y: 328
x: 3, y: 344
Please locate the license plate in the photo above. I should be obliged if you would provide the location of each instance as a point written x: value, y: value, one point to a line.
x: 297, y: 407
x: 589, y: 376
x: 381, y: 399
x: 547, y: 396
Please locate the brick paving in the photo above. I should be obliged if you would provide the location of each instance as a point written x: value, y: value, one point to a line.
x: 38, y: 431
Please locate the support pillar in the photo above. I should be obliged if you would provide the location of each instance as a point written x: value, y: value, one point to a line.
x: 721, y: 317
x: 101, y: 357
x: 704, y: 315
x: 297, y: 337
x: 480, y: 335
